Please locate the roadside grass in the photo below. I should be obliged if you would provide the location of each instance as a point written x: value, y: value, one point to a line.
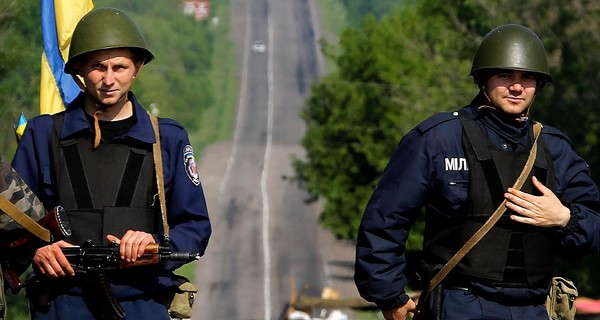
x: 188, y: 270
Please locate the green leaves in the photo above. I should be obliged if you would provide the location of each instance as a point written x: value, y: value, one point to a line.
x: 392, y: 74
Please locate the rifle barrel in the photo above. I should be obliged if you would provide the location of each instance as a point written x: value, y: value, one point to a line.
x: 182, y: 256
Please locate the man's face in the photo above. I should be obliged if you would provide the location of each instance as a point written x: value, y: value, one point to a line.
x: 108, y: 74
x: 511, y: 91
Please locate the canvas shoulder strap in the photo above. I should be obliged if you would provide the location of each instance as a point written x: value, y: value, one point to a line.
x: 160, y: 182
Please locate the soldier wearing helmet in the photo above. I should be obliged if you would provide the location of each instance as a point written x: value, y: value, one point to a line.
x: 462, y: 167
x: 95, y: 159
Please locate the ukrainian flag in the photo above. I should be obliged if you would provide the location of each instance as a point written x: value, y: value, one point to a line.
x: 20, y: 126
x: 59, y: 18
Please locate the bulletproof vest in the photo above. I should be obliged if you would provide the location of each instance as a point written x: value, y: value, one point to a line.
x: 108, y: 190
x: 511, y: 254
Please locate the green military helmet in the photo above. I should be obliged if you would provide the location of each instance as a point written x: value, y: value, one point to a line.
x: 512, y: 47
x: 105, y: 28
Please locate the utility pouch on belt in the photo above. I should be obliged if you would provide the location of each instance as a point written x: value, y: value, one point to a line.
x: 561, y: 299
x: 181, y: 299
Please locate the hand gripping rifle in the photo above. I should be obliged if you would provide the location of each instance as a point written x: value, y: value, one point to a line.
x: 89, y: 257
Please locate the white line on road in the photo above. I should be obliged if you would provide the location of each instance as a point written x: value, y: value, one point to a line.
x: 267, y: 155
x: 265, y: 175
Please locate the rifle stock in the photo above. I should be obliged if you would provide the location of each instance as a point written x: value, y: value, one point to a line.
x: 55, y: 221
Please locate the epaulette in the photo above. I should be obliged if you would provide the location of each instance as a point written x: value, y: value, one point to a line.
x: 557, y: 133
x: 170, y: 122
x: 435, y: 120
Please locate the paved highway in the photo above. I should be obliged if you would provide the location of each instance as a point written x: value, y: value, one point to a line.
x: 265, y: 235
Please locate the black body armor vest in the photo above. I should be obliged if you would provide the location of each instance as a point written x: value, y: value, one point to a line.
x: 104, y: 191
x: 511, y: 254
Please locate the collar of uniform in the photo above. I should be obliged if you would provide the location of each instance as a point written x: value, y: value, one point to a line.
x: 76, y: 121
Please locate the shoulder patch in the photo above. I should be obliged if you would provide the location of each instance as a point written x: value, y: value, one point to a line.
x: 190, y: 165
x: 435, y: 120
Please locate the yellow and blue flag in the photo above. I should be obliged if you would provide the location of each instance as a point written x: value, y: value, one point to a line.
x: 20, y: 126
x: 59, y: 18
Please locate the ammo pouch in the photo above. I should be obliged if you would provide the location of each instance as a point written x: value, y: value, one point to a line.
x: 180, y: 300
x: 560, y: 303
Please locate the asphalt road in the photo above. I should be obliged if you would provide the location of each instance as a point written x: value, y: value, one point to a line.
x: 267, y: 245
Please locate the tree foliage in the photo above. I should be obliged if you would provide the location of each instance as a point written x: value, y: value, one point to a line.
x: 394, y: 72
x: 20, y: 47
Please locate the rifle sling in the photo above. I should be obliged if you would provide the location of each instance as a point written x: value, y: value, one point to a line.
x: 160, y: 182
x: 102, y: 301
x: 24, y: 220
x: 437, y: 279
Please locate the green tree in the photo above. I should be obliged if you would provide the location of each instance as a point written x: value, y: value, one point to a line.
x: 356, y: 9
x: 391, y: 75
x: 20, y: 47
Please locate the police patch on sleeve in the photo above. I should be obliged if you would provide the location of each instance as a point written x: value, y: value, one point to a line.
x: 190, y: 165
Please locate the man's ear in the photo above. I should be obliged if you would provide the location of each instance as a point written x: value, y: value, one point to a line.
x: 76, y: 67
x: 138, y: 68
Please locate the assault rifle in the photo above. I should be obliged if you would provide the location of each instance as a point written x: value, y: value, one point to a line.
x: 89, y: 257
x: 94, y: 261
x: 17, y: 241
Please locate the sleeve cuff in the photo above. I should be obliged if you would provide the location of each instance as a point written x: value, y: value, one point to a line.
x: 393, y: 304
x: 573, y: 224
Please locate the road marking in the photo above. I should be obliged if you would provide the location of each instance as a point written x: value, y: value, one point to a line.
x: 265, y: 175
x: 266, y: 160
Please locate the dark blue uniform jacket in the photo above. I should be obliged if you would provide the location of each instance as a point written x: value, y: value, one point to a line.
x: 428, y: 169
x: 190, y: 227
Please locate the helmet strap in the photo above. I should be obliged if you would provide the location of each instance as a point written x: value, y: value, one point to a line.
x: 99, y: 106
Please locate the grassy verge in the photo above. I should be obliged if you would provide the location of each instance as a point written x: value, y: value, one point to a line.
x: 188, y: 270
